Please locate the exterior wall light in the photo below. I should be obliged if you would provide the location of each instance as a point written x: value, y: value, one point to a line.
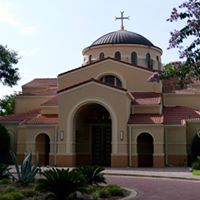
x: 121, y: 135
x: 61, y: 135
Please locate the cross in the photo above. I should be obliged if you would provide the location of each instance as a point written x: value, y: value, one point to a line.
x: 122, y: 18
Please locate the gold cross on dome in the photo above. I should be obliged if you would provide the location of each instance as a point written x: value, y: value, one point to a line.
x: 122, y: 19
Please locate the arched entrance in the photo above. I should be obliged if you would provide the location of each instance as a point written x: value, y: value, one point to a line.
x: 195, y: 148
x: 145, y: 150
x: 43, y: 148
x: 93, y: 135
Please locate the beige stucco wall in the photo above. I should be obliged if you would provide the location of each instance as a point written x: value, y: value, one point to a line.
x: 125, y: 50
x: 71, y: 100
x: 27, y: 137
x: 188, y: 100
x: 156, y: 131
x: 47, y: 110
x: 144, y: 109
x: 27, y: 103
x: 133, y: 79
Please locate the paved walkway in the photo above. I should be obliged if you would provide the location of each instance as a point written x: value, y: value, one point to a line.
x: 166, y: 172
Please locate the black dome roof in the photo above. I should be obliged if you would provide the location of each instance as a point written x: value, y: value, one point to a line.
x: 122, y: 37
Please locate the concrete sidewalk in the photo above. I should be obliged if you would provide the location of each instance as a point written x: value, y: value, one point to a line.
x: 166, y: 172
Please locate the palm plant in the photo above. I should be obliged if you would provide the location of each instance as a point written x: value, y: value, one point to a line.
x: 92, y: 174
x: 26, y: 173
x: 4, y: 171
x: 62, y: 182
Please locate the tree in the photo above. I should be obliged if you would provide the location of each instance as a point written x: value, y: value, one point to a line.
x: 4, y: 145
x: 7, y: 104
x: 8, y: 74
x: 189, y: 11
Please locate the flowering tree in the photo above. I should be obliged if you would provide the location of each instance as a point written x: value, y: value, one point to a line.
x: 189, y: 12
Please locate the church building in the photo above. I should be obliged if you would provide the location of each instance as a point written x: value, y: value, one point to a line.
x: 106, y: 112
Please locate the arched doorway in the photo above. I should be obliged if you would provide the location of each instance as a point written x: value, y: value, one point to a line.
x: 93, y: 135
x: 195, y: 147
x: 43, y: 148
x: 145, y: 150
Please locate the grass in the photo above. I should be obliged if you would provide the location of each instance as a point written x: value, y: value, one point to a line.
x: 196, y: 172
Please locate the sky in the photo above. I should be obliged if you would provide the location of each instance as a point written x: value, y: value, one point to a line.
x: 49, y: 35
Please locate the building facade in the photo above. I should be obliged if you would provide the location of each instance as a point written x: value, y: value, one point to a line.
x: 106, y: 112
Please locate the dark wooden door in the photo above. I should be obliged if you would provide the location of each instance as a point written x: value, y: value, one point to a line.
x: 101, y: 145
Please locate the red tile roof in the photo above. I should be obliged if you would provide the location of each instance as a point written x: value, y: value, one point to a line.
x: 171, y: 116
x: 42, y: 82
x: 179, y: 114
x: 19, y: 117
x: 146, y: 119
x: 52, y: 102
x: 41, y: 120
x: 146, y: 98
x: 30, y: 117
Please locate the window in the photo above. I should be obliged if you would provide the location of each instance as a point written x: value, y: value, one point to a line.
x: 134, y: 58
x: 149, y: 61
x: 90, y: 58
x: 159, y: 63
x: 101, y: 56
x: 117, y: 55
x: 111, y: 80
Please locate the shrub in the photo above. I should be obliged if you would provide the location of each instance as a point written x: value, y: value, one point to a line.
x: 92, y: 174
x: 30, y: 192
x: 26, y: 173
x: 61, y: 182
x: 114, y: 190
x: 196, y: 164
x: 4, y: 145
x: 12, y: 196
x: 4, y: 171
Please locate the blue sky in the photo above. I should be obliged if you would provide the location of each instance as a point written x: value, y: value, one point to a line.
x: 49, y: 35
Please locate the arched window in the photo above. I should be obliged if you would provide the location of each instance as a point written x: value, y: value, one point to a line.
x: 90, y: 58
x: 101, y: 56
x: 149, y: 61
x: 111, y: 80
x: 159, y: 63
x: 117, y: 55
x: 134, y: 58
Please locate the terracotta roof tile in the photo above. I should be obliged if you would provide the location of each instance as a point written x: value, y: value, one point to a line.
x: 146, y: 98
x: 171, y: 116
x: 41, y: 120
x: 19, y: 117
x: 146, y: 119
x: 52, y: 102
x: 179, y: 114
x: 42, y: 82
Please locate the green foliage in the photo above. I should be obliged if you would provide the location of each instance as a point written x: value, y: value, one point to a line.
x: 196, y: 164
x: 30, y: 192
x: 4, y: 144
x: 15, y: 195
x: 8, y: 74
x: 7, y: 104
x: 61, y: 182
x: 104, y: 191
x: 196, y: 172
x: 181, y: 71
x: 27, y: 171
x: 92, y: 174
x: 4, y: 171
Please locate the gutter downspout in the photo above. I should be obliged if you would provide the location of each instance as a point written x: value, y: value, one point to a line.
x: 129, y: 147
x: 55, y: 147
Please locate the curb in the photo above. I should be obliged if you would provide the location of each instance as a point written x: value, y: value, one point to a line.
x: 132, y: 194
x: 152, y: 176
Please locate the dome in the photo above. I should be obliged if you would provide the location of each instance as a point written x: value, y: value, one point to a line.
x: 122, y: 37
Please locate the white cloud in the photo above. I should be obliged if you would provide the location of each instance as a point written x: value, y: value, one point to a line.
x: 7, y: 17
